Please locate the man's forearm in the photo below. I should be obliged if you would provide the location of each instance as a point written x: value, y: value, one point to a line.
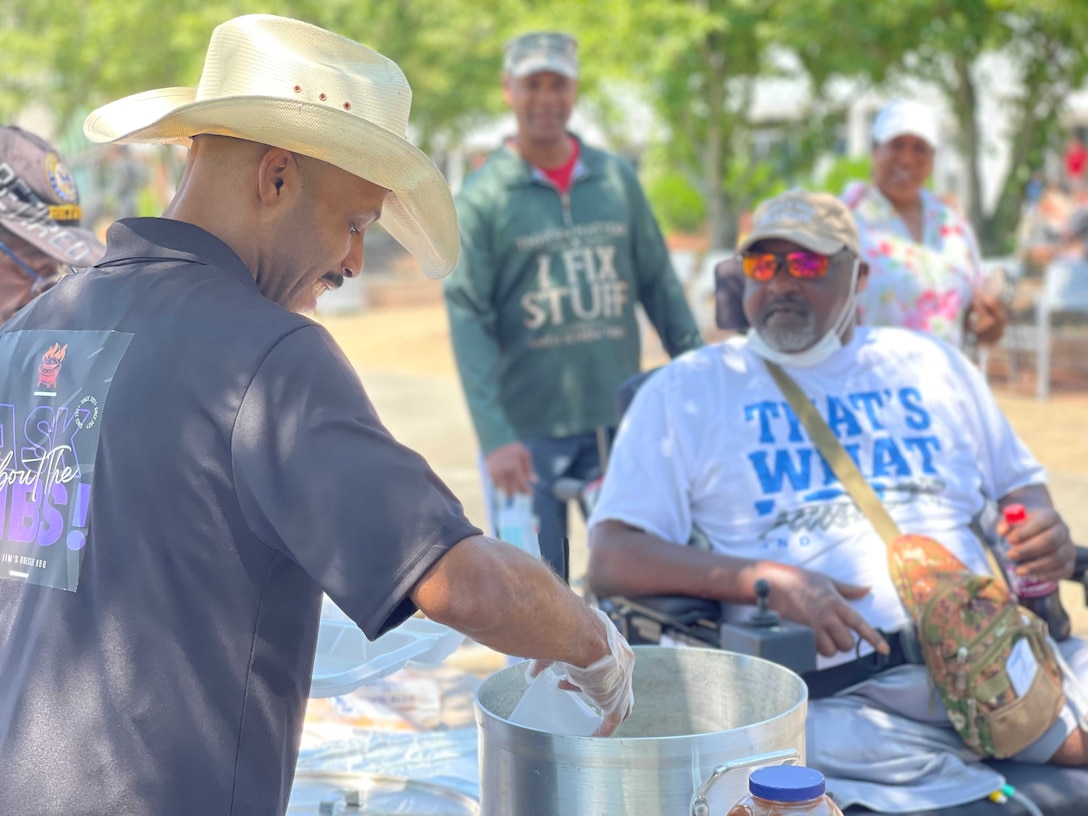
x: 510, y: 602
x: 627, y: 561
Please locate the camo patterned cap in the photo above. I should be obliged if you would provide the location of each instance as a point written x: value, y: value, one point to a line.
x: 542, y: 51
x: 39, y: 201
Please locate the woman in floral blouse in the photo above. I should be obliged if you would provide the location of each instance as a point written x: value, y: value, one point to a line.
x: 925, y: 271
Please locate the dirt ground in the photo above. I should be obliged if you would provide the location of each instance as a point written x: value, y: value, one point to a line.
x: 404, y: 358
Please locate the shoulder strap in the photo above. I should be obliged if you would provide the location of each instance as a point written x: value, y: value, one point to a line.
x: 860, y: 490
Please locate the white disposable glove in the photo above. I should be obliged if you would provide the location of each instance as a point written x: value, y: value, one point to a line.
x: 607, y: 681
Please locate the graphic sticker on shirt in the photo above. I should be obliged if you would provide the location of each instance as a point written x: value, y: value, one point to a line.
x: 53, y: 390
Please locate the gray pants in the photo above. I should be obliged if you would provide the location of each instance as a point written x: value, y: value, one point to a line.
x: 887, y: 743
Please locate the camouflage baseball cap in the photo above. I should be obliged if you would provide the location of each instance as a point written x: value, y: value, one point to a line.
x: 542, y: 51
x: 816, y: 221
x: 39, y: 201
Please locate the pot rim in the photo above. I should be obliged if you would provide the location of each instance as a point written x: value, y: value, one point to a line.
x: 483, y: 714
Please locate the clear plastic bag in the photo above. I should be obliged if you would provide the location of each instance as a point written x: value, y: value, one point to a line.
x: 546, y: 707
x: 516, y: 524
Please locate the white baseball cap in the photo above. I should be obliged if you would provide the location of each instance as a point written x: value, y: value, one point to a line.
x: 901, y: 117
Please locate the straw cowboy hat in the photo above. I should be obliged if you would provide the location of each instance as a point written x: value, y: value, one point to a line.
x: 289, y: 84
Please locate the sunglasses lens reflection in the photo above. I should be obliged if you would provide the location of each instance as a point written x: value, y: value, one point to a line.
x: 806, y: 264
x: 760, y: 267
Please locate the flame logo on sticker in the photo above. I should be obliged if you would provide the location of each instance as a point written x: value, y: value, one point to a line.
x: 50, y: 366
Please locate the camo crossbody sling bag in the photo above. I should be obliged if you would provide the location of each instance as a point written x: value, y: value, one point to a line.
x: 978, y: 644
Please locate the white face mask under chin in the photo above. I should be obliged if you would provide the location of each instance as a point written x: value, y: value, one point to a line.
x: 823, y: 348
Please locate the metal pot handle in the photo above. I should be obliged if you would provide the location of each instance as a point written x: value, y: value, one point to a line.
x: 699, y: 806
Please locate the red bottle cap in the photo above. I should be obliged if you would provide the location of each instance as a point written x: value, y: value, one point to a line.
x: 1015, y: 513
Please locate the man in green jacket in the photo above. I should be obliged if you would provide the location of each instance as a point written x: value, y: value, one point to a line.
x: 558, y: 245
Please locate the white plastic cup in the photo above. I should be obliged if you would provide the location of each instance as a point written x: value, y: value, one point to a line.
x: 546, y: 707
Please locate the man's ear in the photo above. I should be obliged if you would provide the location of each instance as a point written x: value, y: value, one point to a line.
x: 863, y: 276
x: 278, y: 179
x: 507, y: 81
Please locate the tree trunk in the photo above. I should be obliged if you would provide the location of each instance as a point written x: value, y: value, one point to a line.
x: 1044, y: 93
x: 966, y: 100
x: 712, y: 177
x: 714, y: 149
x: 995, y: 229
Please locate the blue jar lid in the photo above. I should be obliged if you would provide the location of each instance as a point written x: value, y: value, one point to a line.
x: 786, y: 783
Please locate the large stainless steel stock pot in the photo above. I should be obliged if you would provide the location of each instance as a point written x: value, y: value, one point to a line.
x: 702, y: 719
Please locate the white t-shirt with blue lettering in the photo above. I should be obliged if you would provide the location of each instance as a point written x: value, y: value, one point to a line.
x: 711, y: 442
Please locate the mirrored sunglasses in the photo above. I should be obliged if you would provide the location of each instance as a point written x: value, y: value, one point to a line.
x: 761, y: 266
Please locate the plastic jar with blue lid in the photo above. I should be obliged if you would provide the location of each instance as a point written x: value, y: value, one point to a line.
x: 786, y: 790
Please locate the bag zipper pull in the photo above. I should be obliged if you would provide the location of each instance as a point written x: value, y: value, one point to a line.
x: 961, y: 676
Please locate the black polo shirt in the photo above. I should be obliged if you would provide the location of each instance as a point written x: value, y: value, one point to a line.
x: 240, y: 470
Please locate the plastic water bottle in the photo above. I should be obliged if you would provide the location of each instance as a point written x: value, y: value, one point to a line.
x: 1040, y: 597
x: 786, y: 790
x: 516, y: 524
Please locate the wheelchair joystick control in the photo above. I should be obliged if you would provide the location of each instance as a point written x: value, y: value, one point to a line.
x: 764, y: 615
x: 764, y: 634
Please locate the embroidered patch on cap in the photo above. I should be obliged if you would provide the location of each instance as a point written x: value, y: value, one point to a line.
x: 788, y: 210
x: 60, y: 179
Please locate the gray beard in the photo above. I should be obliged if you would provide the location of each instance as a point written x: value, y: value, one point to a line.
x: 790, y: 341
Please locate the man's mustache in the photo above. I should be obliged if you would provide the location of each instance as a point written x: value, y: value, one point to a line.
x: 333, y: 280
x: 785, y: 302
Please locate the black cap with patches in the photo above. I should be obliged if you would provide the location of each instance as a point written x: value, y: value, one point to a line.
x: 39, y: 201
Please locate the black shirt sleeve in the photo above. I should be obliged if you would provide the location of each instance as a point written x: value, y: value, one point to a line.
x: 320, y: 479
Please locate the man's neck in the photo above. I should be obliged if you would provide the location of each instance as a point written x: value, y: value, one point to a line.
x: 206, y: 198
x: 544, y: 154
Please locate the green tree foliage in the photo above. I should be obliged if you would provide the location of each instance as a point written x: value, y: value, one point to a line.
x: 677, y: 203
x: 841, y: 172
x: 694, y: 63
x: 72, y: 57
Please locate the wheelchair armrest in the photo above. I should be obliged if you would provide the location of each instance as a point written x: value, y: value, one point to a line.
x: 682, y: 609
x: 1080, y: 565
x: 1080, y: 570
x: 650, y: 619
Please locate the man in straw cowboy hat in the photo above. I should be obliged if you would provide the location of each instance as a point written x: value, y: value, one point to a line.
x: 189, y: 463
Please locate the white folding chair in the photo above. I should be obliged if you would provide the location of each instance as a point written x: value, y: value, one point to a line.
x: 1065, y: 290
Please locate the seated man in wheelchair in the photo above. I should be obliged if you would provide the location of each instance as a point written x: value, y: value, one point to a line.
x: 711, y: 444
